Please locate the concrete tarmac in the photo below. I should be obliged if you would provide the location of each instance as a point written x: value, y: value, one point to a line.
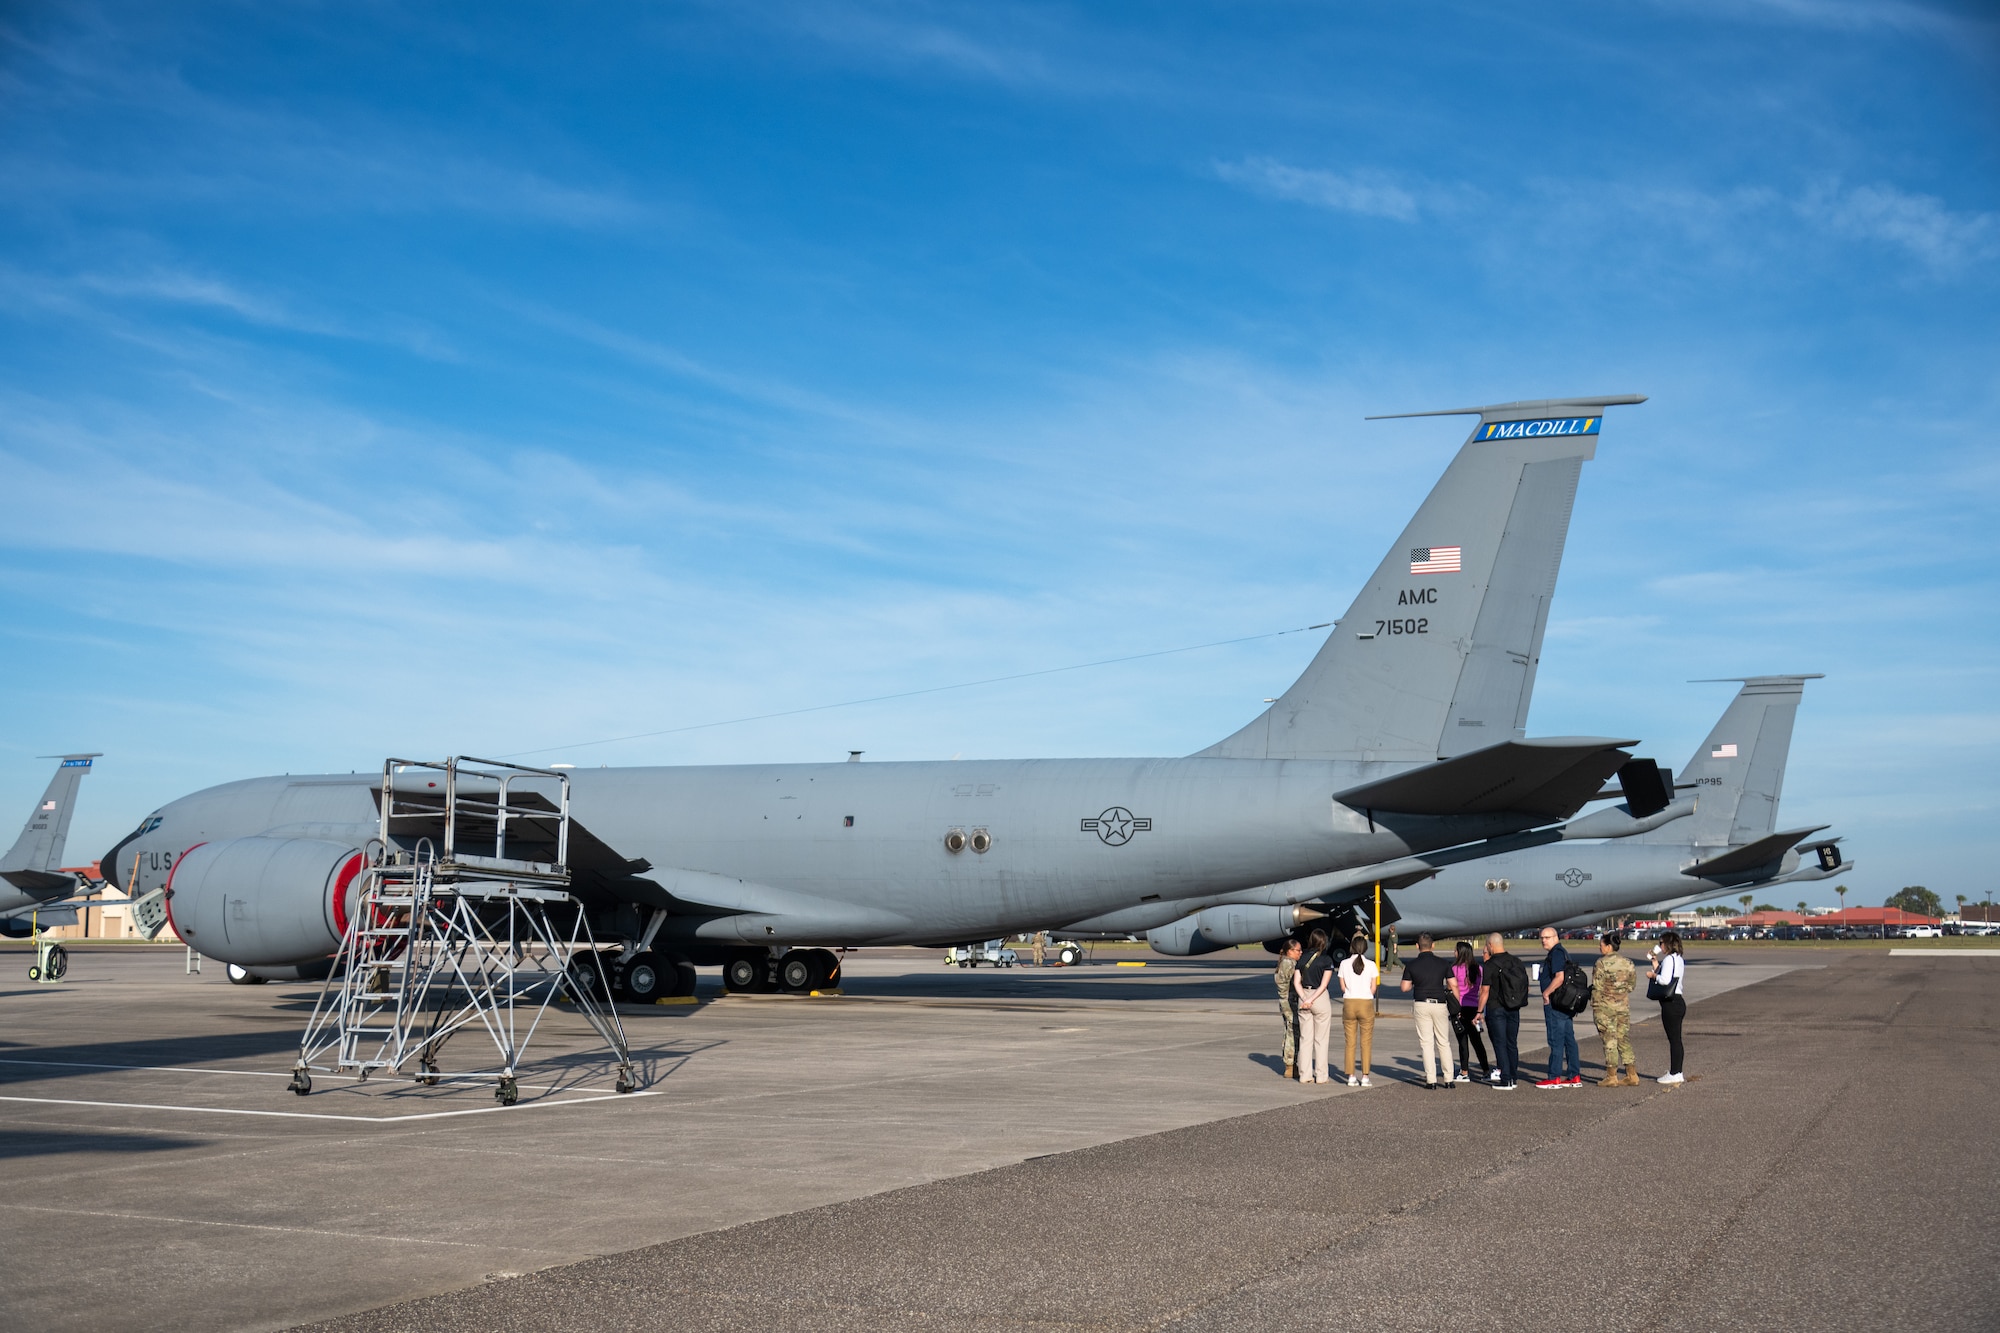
x: 830, y: 1163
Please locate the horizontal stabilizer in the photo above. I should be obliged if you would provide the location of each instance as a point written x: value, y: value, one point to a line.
x: 1751, y: 855
x: 1552, y: 777
x: 40, y: 883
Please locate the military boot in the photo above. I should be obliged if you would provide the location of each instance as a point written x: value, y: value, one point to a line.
x: 1289, y: 1072
x: 1611, y: 1079
x: 1632, y: 1074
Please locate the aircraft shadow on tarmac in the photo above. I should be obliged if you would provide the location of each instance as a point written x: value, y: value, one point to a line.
x: 53, y: 1142
x: 192, y: 1050
x: 273, y: 1050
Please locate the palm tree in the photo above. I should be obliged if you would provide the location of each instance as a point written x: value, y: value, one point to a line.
x: 1746, y: 900
x: 1961, y: 906
x: 1802, y: 911
x: 1841, y: 889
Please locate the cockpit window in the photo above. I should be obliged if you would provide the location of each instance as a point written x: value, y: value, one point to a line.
x: 148, y: 825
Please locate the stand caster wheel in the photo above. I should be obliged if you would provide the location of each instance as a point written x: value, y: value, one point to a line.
x: 429, y: 1078
x: 302, y: 1082
x: 507, y: 1093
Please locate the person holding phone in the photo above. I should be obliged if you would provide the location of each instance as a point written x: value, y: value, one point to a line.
x: 1663, y: 983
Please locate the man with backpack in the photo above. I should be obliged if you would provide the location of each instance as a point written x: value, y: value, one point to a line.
x: 1559, y: 984
x: 1503, y: 992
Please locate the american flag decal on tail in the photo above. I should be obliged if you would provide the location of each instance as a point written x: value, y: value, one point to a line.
x: 1435, y: 560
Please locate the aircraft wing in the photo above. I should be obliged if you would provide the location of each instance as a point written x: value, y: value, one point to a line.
x: 1553, y: 777
x: 62, y: 900
x: 1751, y: 855
x: 743, y: 909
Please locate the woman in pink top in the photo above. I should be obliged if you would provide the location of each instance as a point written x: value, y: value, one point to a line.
x: 1465, y: 1017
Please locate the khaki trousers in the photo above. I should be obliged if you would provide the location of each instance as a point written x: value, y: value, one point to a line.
x: 1357, y: 1020
x: 1434, y: 1039
x: 1315, y: 1034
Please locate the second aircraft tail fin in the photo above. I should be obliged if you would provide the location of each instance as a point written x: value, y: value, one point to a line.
x: 39, y: 849
x: 1738, y: 773
x: 1437, y: 655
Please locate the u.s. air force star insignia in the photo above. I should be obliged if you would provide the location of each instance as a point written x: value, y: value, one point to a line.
x: 1575, y: 878
x: 1116, y: 826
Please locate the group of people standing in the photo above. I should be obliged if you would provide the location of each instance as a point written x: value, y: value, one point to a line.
x: 1458, y: 1004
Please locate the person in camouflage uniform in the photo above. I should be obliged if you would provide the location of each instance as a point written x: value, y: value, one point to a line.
x: 1288, y: 1003
x: 1611, y: 1006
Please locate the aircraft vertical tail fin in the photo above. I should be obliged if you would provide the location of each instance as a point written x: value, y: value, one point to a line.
x: 1437, y: 655
x: 1739, y: 771
x: 40, y: 846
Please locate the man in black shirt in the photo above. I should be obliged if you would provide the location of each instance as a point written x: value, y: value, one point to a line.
x: 1427, y: 978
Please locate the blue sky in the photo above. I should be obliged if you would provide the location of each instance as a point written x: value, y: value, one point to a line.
x: 416, y: 380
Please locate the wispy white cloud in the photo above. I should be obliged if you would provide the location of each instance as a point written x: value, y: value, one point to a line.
x: 1943, y: 237
x: 1368, y: 193
x: 1837, y: 15
x: 184, y: 144
x: 1015, y: 46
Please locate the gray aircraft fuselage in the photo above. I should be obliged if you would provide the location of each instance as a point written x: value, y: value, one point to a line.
x: 1545, y: 885
x: 1161, y: 827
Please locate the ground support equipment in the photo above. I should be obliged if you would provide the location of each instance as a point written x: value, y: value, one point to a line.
x: 438, y: 941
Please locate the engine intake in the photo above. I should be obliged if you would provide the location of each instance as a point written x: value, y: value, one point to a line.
x: 264, y: 901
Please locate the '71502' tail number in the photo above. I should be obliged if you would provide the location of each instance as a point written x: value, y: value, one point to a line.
x: 1419, y: 626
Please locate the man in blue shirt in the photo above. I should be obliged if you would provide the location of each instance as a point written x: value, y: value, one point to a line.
x: 1565, y: 1065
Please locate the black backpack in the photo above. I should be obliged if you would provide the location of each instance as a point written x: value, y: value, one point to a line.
x: 1573, y: 996
x: 1510, y: 982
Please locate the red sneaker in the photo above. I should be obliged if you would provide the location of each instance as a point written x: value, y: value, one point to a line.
x: 1574, y: 1081
x: 1553, y: 1083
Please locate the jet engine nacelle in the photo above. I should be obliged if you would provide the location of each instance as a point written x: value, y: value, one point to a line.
x: 1227, y: 926
x: 264, y: 901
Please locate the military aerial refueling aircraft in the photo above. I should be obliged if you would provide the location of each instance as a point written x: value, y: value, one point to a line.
x: 1403, y: 736
x: 1728, y: 841
x: 32, y: 889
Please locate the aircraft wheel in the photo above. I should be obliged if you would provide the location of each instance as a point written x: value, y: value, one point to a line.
x: 795, y: 971
x: 681, y: 976
x: 581, y: 979
x: 1070, y: 957
x: 241, y: 976
x: 745, y: 975
x: 826, y: 968
x: 645, y: 978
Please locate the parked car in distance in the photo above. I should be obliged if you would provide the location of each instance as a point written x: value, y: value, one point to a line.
x: 1921, y: 933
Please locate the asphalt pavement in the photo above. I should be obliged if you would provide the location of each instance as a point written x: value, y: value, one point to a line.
x: 1830, y: 1164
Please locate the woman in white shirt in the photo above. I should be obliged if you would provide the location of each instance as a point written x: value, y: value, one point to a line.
x: 1665, y: 978
x: 1358, y: 978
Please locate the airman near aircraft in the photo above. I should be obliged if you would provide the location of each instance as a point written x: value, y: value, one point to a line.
x: 1611, y: 1008
x: 1288, y: 1005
